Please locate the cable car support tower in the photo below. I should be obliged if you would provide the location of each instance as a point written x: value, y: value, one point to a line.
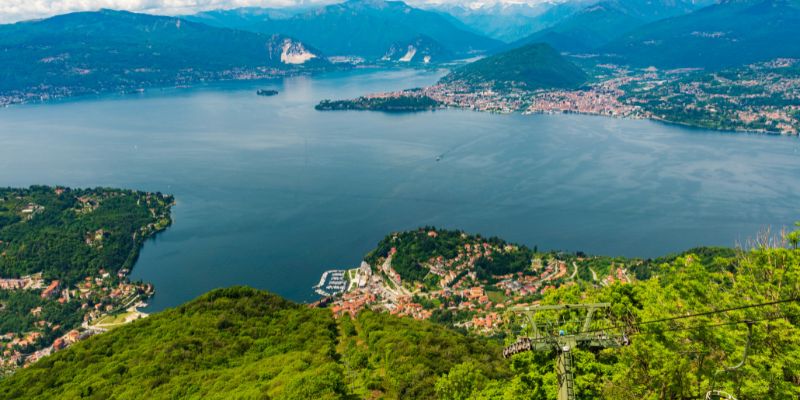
x: 541, y: 336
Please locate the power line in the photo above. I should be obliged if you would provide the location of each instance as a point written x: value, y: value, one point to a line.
x: 701, y: 314
x: 720, y: 311
x: 688, y: 328
x: 563, y: 344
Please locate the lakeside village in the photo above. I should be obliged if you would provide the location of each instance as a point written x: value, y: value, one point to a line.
x: 106, y: 303
x: 184, y: 79
x: 43, y: 314
x: 453, y: 291
x: 763, y: 97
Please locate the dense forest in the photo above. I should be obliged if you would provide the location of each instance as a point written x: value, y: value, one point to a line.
x: 67, y: 235
x: 243, y: 343
x: 70, y: 234
x: 678, y: 358
x: 532, y: 66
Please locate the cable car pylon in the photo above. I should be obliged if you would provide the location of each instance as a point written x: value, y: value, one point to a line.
x: 535, y: 339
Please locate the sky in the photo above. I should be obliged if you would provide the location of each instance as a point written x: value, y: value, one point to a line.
x: 18, y: 10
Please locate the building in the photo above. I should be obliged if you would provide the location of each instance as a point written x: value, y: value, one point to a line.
x: 51, y: 290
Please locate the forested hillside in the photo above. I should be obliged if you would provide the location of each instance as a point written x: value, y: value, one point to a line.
x: 684, y: 319
x: 65, y: 256
x: 243, y: 343
x: 678, y: 357
x: 68, y: 234
x: 533, y: 66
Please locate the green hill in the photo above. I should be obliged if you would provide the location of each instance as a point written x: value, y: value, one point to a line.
x: 533, y: 66
x: 244, y: 343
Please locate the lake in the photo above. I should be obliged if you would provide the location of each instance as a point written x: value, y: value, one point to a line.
x: 270, y: 192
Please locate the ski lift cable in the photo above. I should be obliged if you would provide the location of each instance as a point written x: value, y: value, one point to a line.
x: 688, y: 328
x: 701, y: 314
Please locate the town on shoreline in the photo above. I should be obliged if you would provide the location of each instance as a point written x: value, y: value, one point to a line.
x: 457, y: 289
x: 762, y: 97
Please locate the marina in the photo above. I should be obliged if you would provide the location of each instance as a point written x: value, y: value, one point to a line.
x: 332, y: 282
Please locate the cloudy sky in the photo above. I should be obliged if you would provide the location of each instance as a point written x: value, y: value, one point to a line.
x: 17, y: 10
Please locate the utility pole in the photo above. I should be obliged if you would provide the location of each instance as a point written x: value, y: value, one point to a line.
x: 534, y: 339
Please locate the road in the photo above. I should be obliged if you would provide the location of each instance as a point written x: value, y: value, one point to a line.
x: 575, y: 271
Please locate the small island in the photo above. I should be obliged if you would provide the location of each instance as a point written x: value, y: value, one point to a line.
x: 267, y: 92
x: 405, y: 101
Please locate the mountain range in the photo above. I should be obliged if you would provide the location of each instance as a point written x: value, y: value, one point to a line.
x: 420, y: 49
x: 363, y: 28
x: 502, y: 21
x: 106, y: 50
x: 731, y: 33
x: 596, y: 24
x: 119, y: 50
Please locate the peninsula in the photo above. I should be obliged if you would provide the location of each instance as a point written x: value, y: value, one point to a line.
x: 407, y: 101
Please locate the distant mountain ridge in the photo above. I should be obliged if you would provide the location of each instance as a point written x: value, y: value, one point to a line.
x: 365, y: 28
x: 598, y: 23
x: 533, y: 66
x: 244, y: 18
x: 585, y: 30
x: 502, y: 21
x: 421, y: 49
x: 733, y: 32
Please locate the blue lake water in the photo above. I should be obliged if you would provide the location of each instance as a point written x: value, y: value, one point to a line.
x: 271, y: 192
